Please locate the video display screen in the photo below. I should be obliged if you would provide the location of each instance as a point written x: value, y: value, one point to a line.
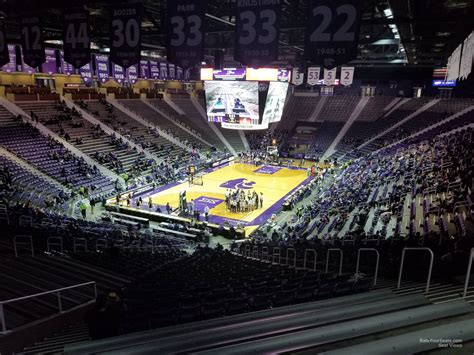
x: 232, y: 101
x: 276, y: 98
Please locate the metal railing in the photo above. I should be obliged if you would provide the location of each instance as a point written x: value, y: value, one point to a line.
x: 306, y: 258
x: 55, y: 241
x: 19, y: 240
x: 341, y: 253
x: 265, y: 255
x: 79, y: 242
x: 255, y: 252
x: 429, y: 270
x: 468, y: 273
x: 287, y: 261
x: 275, y: 254
x: 57, y: 291
x: 376, y: 264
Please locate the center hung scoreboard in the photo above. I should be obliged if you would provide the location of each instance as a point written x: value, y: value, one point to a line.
x: 245, y: 98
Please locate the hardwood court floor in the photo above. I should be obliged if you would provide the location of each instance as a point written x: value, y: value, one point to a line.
x: 274, y: 182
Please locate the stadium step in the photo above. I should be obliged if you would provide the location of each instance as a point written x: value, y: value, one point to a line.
x: 55, y: 344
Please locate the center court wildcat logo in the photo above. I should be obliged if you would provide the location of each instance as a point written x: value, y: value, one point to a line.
x: 241, y: 183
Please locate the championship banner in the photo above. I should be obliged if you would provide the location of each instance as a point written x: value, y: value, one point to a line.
x: 4, y: 52
x: 49, y: 66
x: 185, y: 46
x: 86, y: 73
x: 10, y: 67
x: 171, y: 71
x: 125, y: 33
x: 332, y: 32
x: 297, y: 78
x: 164, y: 71
x: 76, y: 37
x: 118, y: 73
x: 102, y: 67
x: 154, y: 70
x: 347, y: 76
x: 32, y: 41
x: 66, y: 68
x: 313, y: 75
x: 257, y: 32
x: 132, y: 74
x: 179, y: 73
x: 330, y: 76
x: 187, y: 74
x: 144, y: 69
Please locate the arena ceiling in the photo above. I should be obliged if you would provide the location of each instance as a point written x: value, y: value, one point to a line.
x: 393, y: 32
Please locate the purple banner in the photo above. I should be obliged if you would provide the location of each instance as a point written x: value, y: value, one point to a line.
x: 164, y: 71
x: 49, y: 66
x: 66, y: 68
x: 179, y: 73
x: 86, y: 73
x: 132, y: 74
x: 102, y: 67
x: 25, y: 67
x: 154, y: 70
x: 118, y: 73
x: 144, y: 69
x: 11, y: 66
x: 171, y: 71
x: 187, y: 74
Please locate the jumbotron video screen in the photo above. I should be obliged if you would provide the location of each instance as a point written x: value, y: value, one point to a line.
x: 237, y: 103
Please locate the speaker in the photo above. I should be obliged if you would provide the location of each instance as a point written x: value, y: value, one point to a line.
x: 219, y: 59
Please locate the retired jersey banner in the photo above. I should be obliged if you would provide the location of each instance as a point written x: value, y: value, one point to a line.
x: 102, y: 67
x: 4, y: 53
x: 332, y: 32
x: 154, y: 70
x: 186, y: 32
x: 313, y: 75
x: 76, y: 37
x: 32, y: 41
x: 125, y: 34
x: 179, y: 73
x: 132, y: 74
x: 297, y: 78
x: 347, y: 76
x: 257, y: 32
x: 330, y: 76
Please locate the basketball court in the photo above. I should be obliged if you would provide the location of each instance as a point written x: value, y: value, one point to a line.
x: 275, y: 182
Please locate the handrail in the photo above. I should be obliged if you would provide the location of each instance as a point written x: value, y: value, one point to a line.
x: 30, y: 243
x: 274, y: 254
x: 82, y: 244
x: 265, y: 252
x: 376, y: 265
x: 468, y: 273
x: 255, y: 251
x: 57, y: 291
x: 429, y: 271
x: 50, y: 243
x: 341, y: 253
x: 101, y: 243
x: 306, y: 257
x: 247, y: 250
x: 287, y: 262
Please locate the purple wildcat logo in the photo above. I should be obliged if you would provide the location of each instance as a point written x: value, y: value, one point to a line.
x: 241, y: 183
